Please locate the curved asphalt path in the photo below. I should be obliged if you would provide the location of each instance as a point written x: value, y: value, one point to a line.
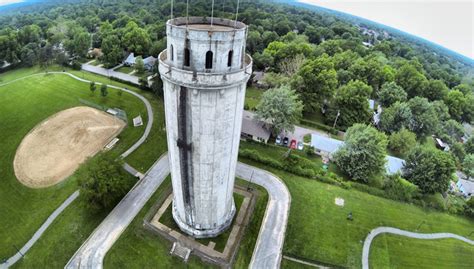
x: 268, y: 248
x: 15, y: 258
x: 390, y: 230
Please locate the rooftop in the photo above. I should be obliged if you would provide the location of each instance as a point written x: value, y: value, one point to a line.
x: 331, y: 145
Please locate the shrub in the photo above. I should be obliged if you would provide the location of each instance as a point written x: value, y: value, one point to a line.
x: 397, y: 188
x: 435, y: 201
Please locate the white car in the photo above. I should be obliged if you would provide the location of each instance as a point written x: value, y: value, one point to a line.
x: 300, y: 145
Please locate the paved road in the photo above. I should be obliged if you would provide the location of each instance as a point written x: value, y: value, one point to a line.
x: 12, y: 260
x: 269, y: 245
x: 91, y: 254
x: 390, y: 230
x: 110, y: 73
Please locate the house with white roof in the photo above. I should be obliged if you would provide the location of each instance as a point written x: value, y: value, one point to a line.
x: 326, y: 145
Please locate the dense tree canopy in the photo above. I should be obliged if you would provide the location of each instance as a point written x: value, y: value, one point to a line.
x: 430, y: 169
x: 363, y: 155
x: 391, y: 93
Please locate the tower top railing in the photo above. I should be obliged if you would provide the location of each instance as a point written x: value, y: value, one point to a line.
x: 206, y: 24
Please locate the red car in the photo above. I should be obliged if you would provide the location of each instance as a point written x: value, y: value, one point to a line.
x: 293, y: 144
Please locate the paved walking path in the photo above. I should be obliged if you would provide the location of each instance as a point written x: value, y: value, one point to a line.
x: 110, y: 73
x: 91, y: 254
x: 12, y: 260
x: 304, y: 262
x: 268, y: 248
x: 390, y: 230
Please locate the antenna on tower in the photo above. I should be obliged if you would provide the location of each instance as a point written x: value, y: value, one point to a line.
x: 212, y: 13
x: 172, y: 2
x: 237, y: 13
x: 187, y: 13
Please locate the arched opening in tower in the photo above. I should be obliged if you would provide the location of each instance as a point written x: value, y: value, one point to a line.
x: 209, y: 56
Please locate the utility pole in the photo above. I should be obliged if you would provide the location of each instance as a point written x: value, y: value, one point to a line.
x: 337, y: 117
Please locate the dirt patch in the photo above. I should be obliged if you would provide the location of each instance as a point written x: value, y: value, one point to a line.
x: 56, y: 147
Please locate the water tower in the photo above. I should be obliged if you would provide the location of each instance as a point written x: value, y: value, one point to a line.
x: 204, y: 71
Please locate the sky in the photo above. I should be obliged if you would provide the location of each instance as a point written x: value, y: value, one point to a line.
x: 6, y: 2
x: 447, y: 23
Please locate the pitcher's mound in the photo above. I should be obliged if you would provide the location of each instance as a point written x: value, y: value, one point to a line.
x: 56, y: 147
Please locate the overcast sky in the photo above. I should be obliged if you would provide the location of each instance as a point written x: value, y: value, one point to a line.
x: 5, y: 2
x: 447, y: 23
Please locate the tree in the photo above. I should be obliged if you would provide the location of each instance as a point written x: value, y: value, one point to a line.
x: 441, y: 110
x: 469, y: 207
x: 81, y: 43
x: 469, y: 145
x: 435, y: 90
x: 411, y: 79
x: 103, y: 90
x: 139, y: 65
x: 290, y: 66
x: 396, y: 117
x: 468, y: 111
x: 102, y: 181
x: 315, y: 82
x: 92, y: 87
x: 391, y: 93
x: 430, y: 169
x: 402, y: 141
x: 468, y: 165
x: 143, y: 81
x: 136, y: 39
x: 281, y: 108
x: 112, y: 53
x: 451, y: 131
x: 362, y: 156
x: 458, y: 153
x: 352, y: 104
x: 456, y: 102
x: 424, y: 120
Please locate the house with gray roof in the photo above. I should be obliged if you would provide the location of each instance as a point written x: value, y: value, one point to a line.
x: 130, y: 60
x: 254, y: 129
x: 149, y: 62
x: 466, y: 187
x: 327, y: 145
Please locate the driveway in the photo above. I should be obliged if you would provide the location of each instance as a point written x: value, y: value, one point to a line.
x: 110, y: 73
x: 299, y: 132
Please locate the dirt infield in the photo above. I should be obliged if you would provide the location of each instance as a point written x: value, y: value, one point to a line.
x: 56, y: 147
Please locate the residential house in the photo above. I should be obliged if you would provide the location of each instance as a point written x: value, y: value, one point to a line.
x: 466, y: 187
x: 327, y: 146
x: 254, y: 129
x: 149, y: 62
x: 130, y: 60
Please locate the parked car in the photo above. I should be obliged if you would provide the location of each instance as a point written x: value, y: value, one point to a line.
x: 285, y: 141
x: 278, y: 140
x: 300, y: 145
x: 293, y: 144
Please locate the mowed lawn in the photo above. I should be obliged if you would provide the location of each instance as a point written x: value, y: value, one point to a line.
x: 23, y: 104
x: 393, y: 251
x: 318, y: 229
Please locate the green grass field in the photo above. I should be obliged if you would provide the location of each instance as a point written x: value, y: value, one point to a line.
x: 252, y: 97
x: 393, y: 251
x: 25, y: 103
x: 140, y: 248
x: 125, y: 69
x: 318, y: 229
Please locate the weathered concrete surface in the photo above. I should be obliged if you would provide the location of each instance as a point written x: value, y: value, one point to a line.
x: 204, y: 75
x: 12, y: 260
x: 269, y: 245
x: 391, y: 230
x: 91, y: 254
